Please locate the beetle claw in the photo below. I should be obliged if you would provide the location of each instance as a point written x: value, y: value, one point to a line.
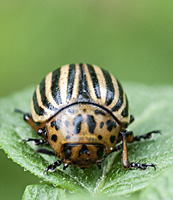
x: 65, y: 166
x: 142, y: 166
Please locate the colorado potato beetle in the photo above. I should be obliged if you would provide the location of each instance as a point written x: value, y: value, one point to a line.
x: 82, y: 112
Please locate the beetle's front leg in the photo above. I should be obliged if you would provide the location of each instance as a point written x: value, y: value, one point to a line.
x: 125, y: 160
x: 28, y: 118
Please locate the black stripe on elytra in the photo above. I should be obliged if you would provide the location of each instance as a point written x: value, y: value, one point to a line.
x: 77, y: 124
x: 44, y: 99
x: 37, y: 108
x: 101, y: 124
x: 91, y: 123
x: 71, y: 77
x: 94, y: 81
x: 125, y: 111
x: 110, y: 88
x: 120, y: 100
x: 110, y: 125
x: 83, y: 92
x: 55, y: 86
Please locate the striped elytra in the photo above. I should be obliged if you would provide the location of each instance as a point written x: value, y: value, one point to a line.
x: 83, y: 108
x: 79, y: 83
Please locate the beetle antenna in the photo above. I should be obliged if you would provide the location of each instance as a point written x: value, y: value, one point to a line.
x: 18, y: 111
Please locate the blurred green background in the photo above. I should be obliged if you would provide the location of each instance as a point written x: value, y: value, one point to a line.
x: 131, y: 39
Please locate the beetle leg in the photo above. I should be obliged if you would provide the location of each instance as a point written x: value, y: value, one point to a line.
x: 53, y: 166
x: 142, y: 166
x: 46, y: 151
x: 125, y: 160
x: 131, y: 138
x: 128, y: 134
x: 36, y: 141
x: 27, y: 117
x: 146, y: 136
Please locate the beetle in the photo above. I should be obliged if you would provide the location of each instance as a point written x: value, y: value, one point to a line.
x: 82, y: 112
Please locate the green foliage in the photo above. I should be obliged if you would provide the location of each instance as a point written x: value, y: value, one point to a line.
x: 43, y: 192
x: 152, y: 107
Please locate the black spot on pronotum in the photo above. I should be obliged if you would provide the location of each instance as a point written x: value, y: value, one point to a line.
x: 66, y: 123
x: 91, y: 123
x: 112, y: 138
x: 101, y: 124
x: 54, y: 138
x: 52, y: 124
x: 110, y: 125
x: 99, y: 112
x: 70, y: 111
x: 77, y: 123
x: 68, y: 137
x: 57, y: 124
x: 100, y: 137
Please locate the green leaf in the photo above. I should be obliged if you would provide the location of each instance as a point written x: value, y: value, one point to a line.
x: 43, y: 192
x: 160, y: 188
x: 152, y: 108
